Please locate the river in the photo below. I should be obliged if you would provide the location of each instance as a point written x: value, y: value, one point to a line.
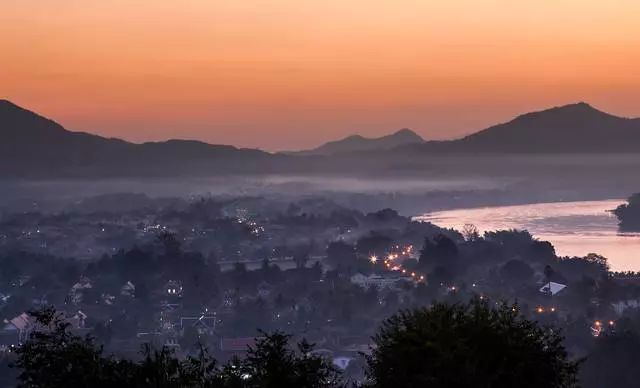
x: 574, y: 228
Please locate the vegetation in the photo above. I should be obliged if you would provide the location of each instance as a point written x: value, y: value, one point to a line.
x: 468, y: 346
x: 54, y: 357
x: 288, y: 268
x: 629, y: 214
x: 446, y: 345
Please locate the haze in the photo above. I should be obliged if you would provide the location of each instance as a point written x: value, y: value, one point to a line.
x: 292, y: 74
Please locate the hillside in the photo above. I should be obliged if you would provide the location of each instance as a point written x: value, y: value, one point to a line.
x: 32, y: 145
x: 357, y: 143
x: 575, y: 128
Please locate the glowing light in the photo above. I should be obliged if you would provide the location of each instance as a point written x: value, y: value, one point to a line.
x: 421, y: 277
x: 553, y: 309
x: 598, y: 323
x: 404, y: 271
x: 611, y: 323
x: 540, y: 310
x: 373, y: 259
x: 413, y: 274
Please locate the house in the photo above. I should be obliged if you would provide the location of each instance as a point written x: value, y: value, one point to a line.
x: 377, y: 281
x: 128, y: 290
x: 342, y: 362
x: 621, y: 306
x: 77, y: 321
x: 19, y: 326
x: 108, y: 299
x: 77, y: 290
x: 552, y: 288
x: 173, y: 288
x: 205, y: 323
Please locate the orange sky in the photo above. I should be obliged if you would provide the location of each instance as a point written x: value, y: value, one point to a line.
x: 282, y: 74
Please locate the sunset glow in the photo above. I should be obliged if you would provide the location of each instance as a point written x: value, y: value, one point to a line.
x: 285, y: 74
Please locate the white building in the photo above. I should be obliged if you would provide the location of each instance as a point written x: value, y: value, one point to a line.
x: 377, y: 281
x: 620, y: 306
x: 552, y: 288
x: 342, y: 362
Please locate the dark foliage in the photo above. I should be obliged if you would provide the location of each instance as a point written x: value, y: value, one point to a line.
x: 468, y: 346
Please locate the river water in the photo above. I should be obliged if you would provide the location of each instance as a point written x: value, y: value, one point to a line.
x: 574, y: 228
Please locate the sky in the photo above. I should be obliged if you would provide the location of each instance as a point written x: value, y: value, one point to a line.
x: 291, y: 74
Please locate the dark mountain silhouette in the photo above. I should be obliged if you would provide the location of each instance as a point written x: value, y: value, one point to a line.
x: 575, y: 128
x: 357, y: 143
x: 31, y: 145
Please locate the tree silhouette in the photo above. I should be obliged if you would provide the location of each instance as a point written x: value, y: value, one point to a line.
x: 468, y: 346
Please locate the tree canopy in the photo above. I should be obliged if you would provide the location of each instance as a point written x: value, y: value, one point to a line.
x: 468, y: 345
x: 54, y: 357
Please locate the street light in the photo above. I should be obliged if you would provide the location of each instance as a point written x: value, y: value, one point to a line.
x: 373, y: 259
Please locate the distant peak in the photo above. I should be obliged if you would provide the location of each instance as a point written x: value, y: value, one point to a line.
x: 354, y: 137
x: 408, y: 134
x: 579, y: 109
x: 583, y: 106
x: 405, y: 131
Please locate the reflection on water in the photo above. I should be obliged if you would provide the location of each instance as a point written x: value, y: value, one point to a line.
x: 574, y: 228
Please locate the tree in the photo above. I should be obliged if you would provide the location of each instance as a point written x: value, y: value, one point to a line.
x: 468, y: 346
x: 341, y: 253
x: 441, y: 251
x: 470, y: 233
x: 549, y: 273
x: 271, y: 363
x: 375, y: 243
x: 613, y: 361
x: 542, y: 251
x: 54, y: 357
x: 516, y: 272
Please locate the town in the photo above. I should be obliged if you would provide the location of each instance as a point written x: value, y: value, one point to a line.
x: 179, y: 273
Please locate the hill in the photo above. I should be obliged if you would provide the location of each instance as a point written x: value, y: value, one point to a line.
x: 357, y: 143
x: 34, y: 146
x: 575, y: 128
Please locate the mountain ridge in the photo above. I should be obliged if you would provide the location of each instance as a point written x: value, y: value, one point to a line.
x: 572, y: 128
x: 32, y: 145
x: 359, y: 143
